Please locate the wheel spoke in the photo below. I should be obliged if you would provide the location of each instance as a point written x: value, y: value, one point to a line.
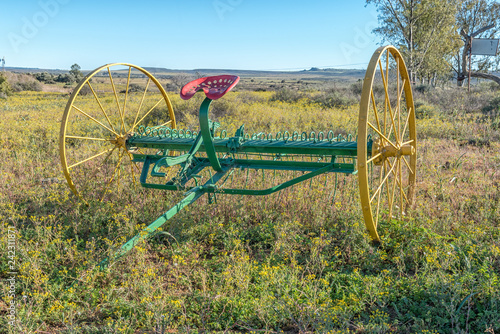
x: 375, y: 111
x: 381, y: 135
x: 150, y: 110
x: 406, y: 123
x: 96, y: 170
x: 400, y: 183
x: 126, y: 93
x: 399, y: 99
x: 400, y: 94
x: 92, y: 118
x: 140, y: 151
x: 131, y: 157
x: 378, y: 198
x: 408, y: 165
x: 381, y: 184
x: 100, y: 105
x: 407, y: 142
x: 386, y: 89
x: 120, y: 156
x: 373, y: 158
x: 140, y: 106
x: 132, y: 165
x: 92, y: 157
x: 86, y: 138
x: 388, y: 102
x: 390, y: 165
x: 122, y: 127
x: 165, y: 124
x: 402, y: 194
x: 393, y: 190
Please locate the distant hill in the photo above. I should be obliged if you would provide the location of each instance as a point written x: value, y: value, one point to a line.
x: 311, y: 74
x: 325, y: 74
x: 34, y: 70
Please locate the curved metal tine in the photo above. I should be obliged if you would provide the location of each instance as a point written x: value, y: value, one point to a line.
x: 333, y: 194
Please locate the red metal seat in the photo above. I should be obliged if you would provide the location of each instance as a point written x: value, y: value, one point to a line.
x: 214, y: 87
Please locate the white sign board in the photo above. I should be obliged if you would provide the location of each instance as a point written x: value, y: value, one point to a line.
x: 484, y: 46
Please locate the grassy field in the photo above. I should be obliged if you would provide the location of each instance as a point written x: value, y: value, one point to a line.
x: 298, y: 261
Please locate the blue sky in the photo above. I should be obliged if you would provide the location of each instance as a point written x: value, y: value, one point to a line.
x: 218, y: 34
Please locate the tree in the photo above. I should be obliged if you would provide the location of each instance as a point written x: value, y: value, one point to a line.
x: 45, y: 77
x: 65, y: 78
x: 75, y: 71
x: 472, y: 19
x: 424, y: 31
x: 177, y: 81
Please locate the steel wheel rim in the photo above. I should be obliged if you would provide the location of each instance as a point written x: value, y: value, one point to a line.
x: 115, y: 125
x: 393, y: 153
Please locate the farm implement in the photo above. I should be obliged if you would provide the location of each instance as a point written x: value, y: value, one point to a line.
x: 123, y: 116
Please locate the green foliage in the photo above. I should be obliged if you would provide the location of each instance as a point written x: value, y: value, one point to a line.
x: 65, y: 78
x: 134, y: 88
x: 423, y: 30
x: 22, y: 86
x: 5, y: 89
x: 287, y: 95
x: 45, y: 77
x: 423, y: 110
x: 335, y: 98
x: 492, y: 113
x: 493, y: 106
x: 423, y: 88
x: 329, y: 98
x: 75, y: 72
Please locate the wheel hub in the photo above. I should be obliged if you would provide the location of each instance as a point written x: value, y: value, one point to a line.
x: 121, y: 141
x: 388, y: 150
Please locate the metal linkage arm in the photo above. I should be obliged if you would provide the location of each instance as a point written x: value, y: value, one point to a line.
x: 190, y: 197
x: 206, y: 133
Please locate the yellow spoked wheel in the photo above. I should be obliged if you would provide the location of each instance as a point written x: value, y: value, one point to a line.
x: 387, y: 140
x: 104, y: 110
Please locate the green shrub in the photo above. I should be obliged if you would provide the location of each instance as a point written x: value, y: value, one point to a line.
x: 335, y: 98
x: 134, y: 88
x: 423, y: 89
x: 493, y: 106
x: 66, y: 78
x: 424, y: 110
x: 22, y: 86
x: 44, y: 77
x: 287, y: 95
x: 85, y: 90
x: 5, y: 89
x: 357, y: 87
x: 492, y: 113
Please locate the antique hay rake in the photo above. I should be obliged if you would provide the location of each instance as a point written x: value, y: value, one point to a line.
x: 124, y: 123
